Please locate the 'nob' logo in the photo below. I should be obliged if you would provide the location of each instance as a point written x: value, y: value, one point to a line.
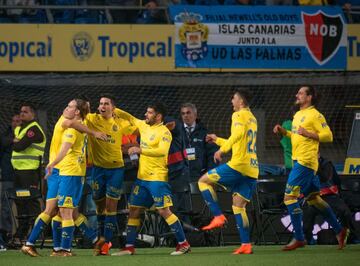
x: 82, y: 46
x: 323, y: 35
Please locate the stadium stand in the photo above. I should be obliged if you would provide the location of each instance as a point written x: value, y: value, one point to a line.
x: 114, y: 11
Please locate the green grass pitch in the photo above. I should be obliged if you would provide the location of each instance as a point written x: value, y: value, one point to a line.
x: 219, y: 256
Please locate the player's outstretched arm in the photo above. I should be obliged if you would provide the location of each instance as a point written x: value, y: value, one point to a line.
x: 125, y: 115
x: 83, y: 129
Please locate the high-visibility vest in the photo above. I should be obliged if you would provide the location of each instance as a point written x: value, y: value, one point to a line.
x: 28, y: 159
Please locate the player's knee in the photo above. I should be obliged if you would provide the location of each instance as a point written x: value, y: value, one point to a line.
x: 164, y: 212
x: 51, y: 210
x: 111, y: 205
x: 66, y: 213
x: 288, y: 198
x: 204, y: 179
x: 204, y: 185
x: 134, y: 212
x: 239, y: 201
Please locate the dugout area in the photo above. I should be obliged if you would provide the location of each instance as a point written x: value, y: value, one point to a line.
x: 274, y: 95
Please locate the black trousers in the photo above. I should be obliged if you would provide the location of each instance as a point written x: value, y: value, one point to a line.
x: 340, y: 208
x: 181, y: 196
x: 25, y: 179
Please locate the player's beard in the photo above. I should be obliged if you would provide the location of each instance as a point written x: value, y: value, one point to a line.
x: 150, y: 121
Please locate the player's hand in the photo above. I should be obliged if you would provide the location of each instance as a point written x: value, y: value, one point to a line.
x: 303, y: 132
x: 211, y: 138
x: 100, y: 135
x: 48, y: 170
x: 134, y: 150
x: 279, y: 130
x: 217, y: 156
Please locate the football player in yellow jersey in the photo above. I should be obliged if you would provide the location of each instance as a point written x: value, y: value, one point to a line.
x: 239, y: 174
x: 67, y: 120
x: 151, y: 186
x: 309, y: 128
x: 108, y: 165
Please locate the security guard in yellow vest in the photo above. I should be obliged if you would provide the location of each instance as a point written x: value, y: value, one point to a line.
x: 28, y: 149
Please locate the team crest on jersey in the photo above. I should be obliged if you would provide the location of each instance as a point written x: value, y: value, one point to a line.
x: 302, y: 119
x: 82, y: 46
x: 193, y: 36
x: 115, y: 128
x: 323, y: 34
x: 152, y: 137
x: 81, y: 159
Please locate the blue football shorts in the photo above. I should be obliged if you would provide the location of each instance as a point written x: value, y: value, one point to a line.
x: 148, y: 193
x: 70, y: 191
x: 53, y: 185
x: 302, y: 180
x: 107, y: 182
x: 233, y: 180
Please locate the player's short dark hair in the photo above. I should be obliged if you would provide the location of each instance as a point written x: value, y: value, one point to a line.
x: 159, y: 108
x: 310, y: 90
x: 31, y: 106
x: 245, y: 94
x: 83, y: 107
x: 108, y: 96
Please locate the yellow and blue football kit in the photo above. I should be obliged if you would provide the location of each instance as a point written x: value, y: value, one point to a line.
x: 302, y: 178
x: 53, y: 186
x: 55, y: 146
x: 72, y: 175
x: 240, y: 173
x: 243, y: 165
x: 305, y: 150
x: 72, y: 169
x: 106, y: 156
x: 108, y: 166
x: 151, y: 186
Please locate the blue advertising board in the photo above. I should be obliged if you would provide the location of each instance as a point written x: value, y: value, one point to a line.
x: 259, y: 37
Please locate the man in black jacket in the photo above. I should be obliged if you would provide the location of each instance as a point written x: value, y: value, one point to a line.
x: 178, y: 166
x: 200, y: 154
